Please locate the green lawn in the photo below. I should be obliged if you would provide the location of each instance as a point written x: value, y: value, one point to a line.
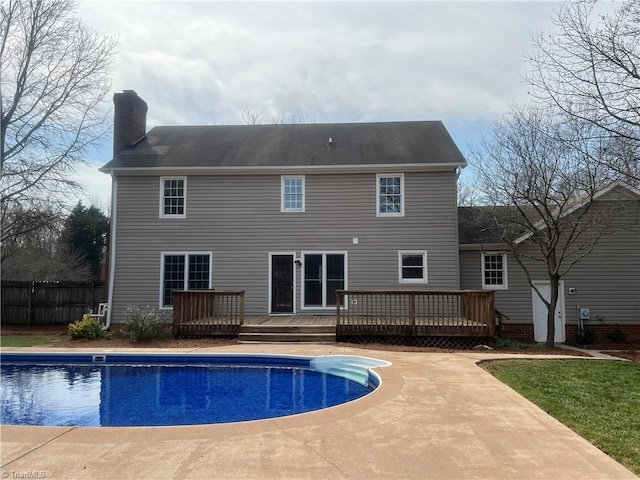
x: 598, y: 399
x: 28, y: 340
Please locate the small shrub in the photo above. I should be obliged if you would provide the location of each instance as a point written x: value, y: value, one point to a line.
x: 87, y: 328
x: 617, y: 335
x: 586, y: 336
x: 144, y: 323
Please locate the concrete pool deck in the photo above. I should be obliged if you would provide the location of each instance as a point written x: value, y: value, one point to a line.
x: 437, y: 415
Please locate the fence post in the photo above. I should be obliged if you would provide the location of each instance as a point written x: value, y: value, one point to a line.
x: 32, y: 288
x: 93, y: 296
x: 338, y: 302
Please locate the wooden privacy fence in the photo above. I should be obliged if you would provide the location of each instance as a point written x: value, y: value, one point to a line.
x: 207, y: 312
x: 416, y: 313
x: 38, y: 303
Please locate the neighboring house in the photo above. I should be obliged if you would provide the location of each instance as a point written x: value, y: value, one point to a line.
x: 287, y: 213
x: 606, y: 282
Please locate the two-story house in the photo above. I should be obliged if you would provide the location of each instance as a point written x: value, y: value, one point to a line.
x: 287, y: 213
x: 291, y: 213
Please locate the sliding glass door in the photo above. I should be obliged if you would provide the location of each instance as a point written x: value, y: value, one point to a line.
x: 324, y: 273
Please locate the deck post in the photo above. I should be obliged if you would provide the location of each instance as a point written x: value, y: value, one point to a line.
x: 412, y: 313
x: 490, y: 316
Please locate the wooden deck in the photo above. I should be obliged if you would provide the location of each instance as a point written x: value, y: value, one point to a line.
x: 291, y: 320
x: 417, y: 313
x: 207, y: 312
x: 358, y: 313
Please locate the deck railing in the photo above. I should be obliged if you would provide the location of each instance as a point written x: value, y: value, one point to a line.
x: 207, y: 312
x: 415, y: 313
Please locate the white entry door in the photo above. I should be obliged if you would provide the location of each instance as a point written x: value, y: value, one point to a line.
x: 540, y: 312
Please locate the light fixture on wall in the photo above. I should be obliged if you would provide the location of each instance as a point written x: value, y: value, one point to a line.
x: 298, y: 261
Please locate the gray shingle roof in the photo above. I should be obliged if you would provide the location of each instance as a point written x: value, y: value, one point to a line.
x: 292, y: 145
x: 476, y: 227
x: 484, y: 224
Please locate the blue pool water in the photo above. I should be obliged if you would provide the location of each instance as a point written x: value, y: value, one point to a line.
x: 153, y: 391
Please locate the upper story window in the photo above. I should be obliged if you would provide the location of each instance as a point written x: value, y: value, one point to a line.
x: 390, y: 195
x: 292, y: 194
x: 494, y: 271
x: 412, y: 267
x: 173, y: 197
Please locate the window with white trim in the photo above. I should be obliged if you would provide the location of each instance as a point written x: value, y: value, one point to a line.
x: 412, y: 267
x: 390, y: 195
x: 184, y: 271
x: 292, y: 194
x: 173, y: 197
x: 323, y: 274
x: 494, y: 271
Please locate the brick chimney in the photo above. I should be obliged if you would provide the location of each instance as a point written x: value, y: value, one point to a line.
x: 129, y: 120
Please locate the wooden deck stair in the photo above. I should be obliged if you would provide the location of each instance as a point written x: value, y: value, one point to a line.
x: 273, y: 333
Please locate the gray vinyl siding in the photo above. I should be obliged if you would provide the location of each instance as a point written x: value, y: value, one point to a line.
x: 238, y: 219
x: 515, y: 302
x: 607, y: 281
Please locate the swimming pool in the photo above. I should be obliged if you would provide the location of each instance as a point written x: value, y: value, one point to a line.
x: 116, y: 389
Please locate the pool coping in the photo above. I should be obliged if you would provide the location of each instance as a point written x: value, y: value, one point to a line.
x: 437, y: 415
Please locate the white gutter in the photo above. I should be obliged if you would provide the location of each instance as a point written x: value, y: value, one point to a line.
x: 112, y: 249
x: 288, y: 169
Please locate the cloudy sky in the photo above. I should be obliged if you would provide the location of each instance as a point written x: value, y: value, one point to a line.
x: 205, y: 63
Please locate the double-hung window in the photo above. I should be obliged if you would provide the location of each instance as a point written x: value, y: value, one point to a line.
x: 292, y: 194
x: 173, y: 197
x: 494, y: 271
x: 412, y: 267
x: 184, y: 271
x: 390, y: 195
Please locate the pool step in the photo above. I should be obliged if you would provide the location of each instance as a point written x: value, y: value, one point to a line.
x: 287, y: 333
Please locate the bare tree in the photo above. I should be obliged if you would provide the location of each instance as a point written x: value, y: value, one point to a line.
x: 589, y: 68
x: 540, y: 190
x: 54, y: 73
x: 284, y: 119
x: 254, y: 117
x: 467, y: 193
x: 39, y: 256
x: 40, y: 264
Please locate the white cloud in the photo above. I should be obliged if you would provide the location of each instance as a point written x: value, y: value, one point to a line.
x: 205, y: 62
x: 96, y: 186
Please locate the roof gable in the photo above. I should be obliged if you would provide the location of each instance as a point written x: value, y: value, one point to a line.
x: 615, y: 190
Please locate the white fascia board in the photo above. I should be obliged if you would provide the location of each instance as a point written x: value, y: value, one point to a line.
x: 502, y: 247
x: 286, y: 170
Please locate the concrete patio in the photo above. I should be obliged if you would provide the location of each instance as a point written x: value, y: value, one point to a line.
x: 437, y: 415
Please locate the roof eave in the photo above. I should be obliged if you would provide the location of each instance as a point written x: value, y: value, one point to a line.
x: 482, y: 246
x: 247, y: 170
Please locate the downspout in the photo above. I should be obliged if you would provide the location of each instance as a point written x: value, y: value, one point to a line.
x: 112, y: 249
x: 458, y: 172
